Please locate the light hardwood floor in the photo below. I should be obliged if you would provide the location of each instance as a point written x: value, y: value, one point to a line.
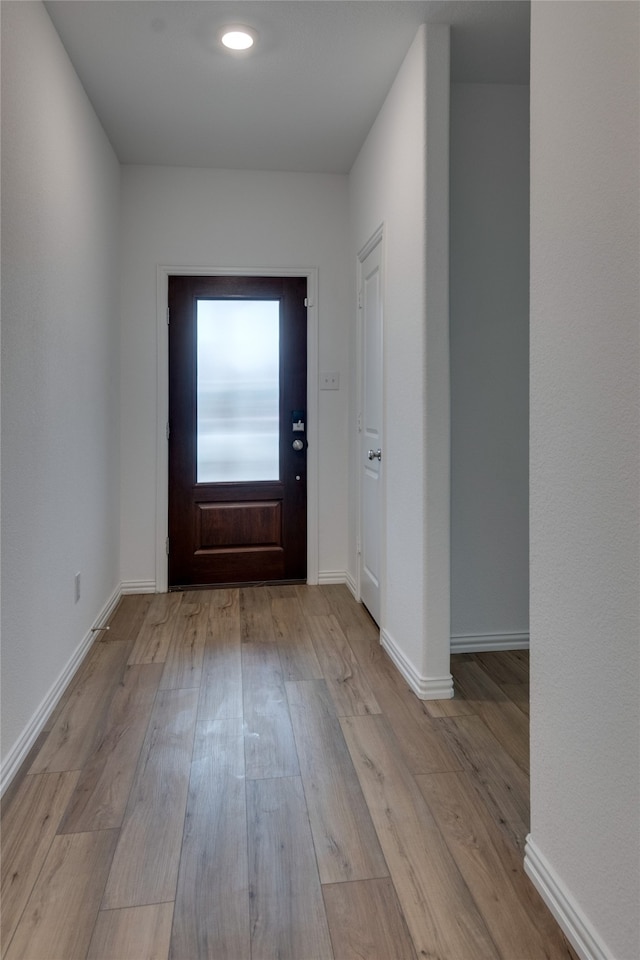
x: 243, y: 775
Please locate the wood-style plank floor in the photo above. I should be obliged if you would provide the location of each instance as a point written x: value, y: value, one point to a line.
x: 243, y: 775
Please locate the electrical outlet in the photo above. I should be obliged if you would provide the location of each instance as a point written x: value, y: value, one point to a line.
x: 77, y: 587
x: 329, y: 381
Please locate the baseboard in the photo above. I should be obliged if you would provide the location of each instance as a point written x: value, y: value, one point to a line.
x: 352, y: 585
x: 575, y: 925
x: 476, y: 642
x: 332, y: 576
x: 425, y: 688
x: 138, y: 586
x: 21, y: 748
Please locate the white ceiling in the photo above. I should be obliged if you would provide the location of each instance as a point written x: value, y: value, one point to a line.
x: 304, y: 100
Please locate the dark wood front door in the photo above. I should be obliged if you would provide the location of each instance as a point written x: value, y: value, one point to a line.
x: 237, y: 422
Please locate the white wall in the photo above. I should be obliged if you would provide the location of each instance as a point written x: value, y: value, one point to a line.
x: 60, y: 199
x: 489, y: 317
x: 400, y: 178
x: 220, y: 218
x: 585, y: 530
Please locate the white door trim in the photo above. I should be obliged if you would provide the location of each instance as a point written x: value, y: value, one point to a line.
x: 378, y: 237
x: 162, y: 403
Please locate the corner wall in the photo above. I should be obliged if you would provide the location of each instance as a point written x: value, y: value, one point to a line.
x: 489, y: 323
x: 584, y: 848
x: 60, y: 450
x: 400, y: 179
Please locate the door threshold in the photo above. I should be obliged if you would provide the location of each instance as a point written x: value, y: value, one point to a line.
x: 183, y: 587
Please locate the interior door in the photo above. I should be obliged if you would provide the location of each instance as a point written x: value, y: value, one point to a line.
x: 237, y: 430
x: 371, y: 433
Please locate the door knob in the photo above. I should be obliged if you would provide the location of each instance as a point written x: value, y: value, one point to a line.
x: 374, y: 455
x: 297, y: 444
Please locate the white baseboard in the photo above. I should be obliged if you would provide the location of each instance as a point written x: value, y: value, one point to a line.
x: 332, y: 576
x: 477, y: 642
x: 30, y: 734
x: 425, y: 688
x: 562, y: 905
x: 352, y: 585
x: 138, y: 586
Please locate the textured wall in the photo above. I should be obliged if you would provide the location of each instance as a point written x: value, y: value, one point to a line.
x: 489, y: 279
x: 585, y: 429
x: 60, y: 468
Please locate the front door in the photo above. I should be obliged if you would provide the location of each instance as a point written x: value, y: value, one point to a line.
x: 237, y: 430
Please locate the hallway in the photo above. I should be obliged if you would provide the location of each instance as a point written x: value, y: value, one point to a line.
x: 240, y: 774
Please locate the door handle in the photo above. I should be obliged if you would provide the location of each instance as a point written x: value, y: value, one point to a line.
x: 297, y: 444
x: 374, y: 455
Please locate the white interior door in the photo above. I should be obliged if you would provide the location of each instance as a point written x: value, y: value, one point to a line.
x: 371, y: 448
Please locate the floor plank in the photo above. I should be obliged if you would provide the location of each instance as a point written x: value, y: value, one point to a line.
x: 505, y: 666
x: 126, y: 621
x: 22, y: 773
x: 424, y: 748
x: 28, y: 828
x: 492, y: 868
x: 347, y: 684
x: 256, y: 625
x: 224, y: 604
x: 439, y: 909
x: 366, y: 921
x: 154, y: 637
x: 288, y: 919
x: 221, y: 683
x: 496, y: 777
x: 212, y: 901
x: 183, y: 665
x: 297, y: 654
x: 270, y: 749
x: 345, y: 840
x: 100, y: 798
x: 313, y: 600
x: 132, y: 933
x: 507, y: 723
x: 518, y: 693
x: 74, y: 736
x: 59, y: 918
x: 145, y: 865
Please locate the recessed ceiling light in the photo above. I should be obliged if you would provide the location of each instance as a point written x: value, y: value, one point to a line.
x: 238, y: 38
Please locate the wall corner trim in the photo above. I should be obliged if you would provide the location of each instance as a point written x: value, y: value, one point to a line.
x: 32, y: 731
x: 425, y: 688
x: 562, y: 905
x: 352, y: 585
x: 138, y: 586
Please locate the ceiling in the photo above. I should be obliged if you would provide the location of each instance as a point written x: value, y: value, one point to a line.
x: 304, y: 100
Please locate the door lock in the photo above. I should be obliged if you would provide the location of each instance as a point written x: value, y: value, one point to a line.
x: 374, y: 455
x: 297, y: 444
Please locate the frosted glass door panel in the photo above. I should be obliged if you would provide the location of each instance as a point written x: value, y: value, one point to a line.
x: 238, y: 392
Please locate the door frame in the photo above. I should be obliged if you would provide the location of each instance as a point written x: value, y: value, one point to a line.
x: 378, y: 237
x: 162, y: 403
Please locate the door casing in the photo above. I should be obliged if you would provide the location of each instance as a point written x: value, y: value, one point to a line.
x: 375, y: 239
x: 162, y: 406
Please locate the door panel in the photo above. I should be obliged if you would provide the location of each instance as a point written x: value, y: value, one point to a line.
x: 237, y: 397
x: 371, y: 446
